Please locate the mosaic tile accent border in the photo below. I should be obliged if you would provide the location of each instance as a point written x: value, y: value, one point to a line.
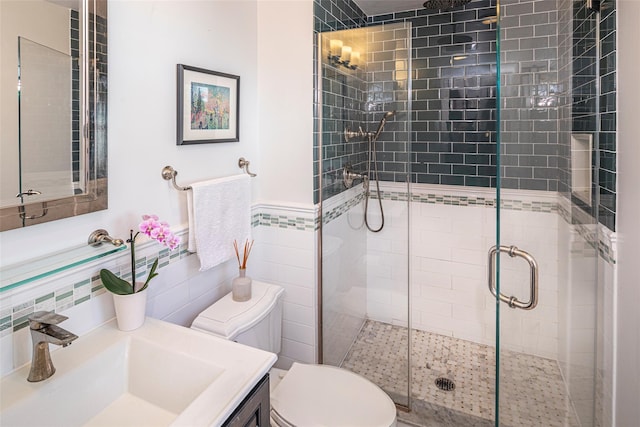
x: 339, y: 210
x: 13, y: 319
x: 455, y: 200
x: 285, y: 221
x: 605, y: 239
x: 605, y: 245
x: 564, y: 213
x: 447, y: 199
x: 587, y: 244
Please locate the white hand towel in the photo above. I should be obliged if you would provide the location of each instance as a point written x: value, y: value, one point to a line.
x: 219, y: 213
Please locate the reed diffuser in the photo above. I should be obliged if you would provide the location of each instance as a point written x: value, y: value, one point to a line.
x: 241, y: 285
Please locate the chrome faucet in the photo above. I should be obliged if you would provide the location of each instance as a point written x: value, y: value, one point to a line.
x: 43, y: 332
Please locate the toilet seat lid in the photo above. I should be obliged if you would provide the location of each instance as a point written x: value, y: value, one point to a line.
x: 323, y: 395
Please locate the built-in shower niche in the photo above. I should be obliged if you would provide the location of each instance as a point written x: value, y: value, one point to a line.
x: 581, y: 172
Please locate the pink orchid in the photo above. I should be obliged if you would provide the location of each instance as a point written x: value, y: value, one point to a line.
x: 148, y: 225
x: 158, y: 231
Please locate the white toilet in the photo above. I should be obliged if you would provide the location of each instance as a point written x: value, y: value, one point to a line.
x: 308, y: 395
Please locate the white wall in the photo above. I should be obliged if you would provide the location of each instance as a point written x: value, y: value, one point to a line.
x: 285, y: 85
x: 605, y: 374
x: 146, y: 41
x: 627, y: 343
x: 578, y: 311
x: 388, y: 263
x: 286, y: 256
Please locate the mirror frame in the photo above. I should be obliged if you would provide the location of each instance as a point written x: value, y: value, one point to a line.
x: 93, y: 125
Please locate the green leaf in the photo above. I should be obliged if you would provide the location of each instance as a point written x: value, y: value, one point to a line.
x: 114, y: 284
x: 152, y: 274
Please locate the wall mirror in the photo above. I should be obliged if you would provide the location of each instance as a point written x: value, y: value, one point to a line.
x: 53, y: 110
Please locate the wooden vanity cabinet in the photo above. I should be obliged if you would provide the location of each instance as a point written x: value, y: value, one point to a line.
x: 254, y: 409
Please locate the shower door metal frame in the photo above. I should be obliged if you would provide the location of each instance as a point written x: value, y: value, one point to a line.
x: 496, y: 396
x: 318, y: 119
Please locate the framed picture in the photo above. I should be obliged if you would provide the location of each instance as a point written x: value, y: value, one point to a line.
x: 208, y: 106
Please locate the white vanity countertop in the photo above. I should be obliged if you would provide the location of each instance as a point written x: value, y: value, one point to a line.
x: 182, y: 376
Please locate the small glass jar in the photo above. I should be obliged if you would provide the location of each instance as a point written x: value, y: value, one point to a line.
x: 241, y: 286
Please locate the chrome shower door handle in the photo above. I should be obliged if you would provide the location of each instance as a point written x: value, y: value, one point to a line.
x: 512, y: 301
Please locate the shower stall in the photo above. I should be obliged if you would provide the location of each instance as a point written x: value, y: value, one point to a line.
x: 463, y: 181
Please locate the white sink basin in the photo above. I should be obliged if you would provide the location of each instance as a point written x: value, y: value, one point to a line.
x: 158, y: 375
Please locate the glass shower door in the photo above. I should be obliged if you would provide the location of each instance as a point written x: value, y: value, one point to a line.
x: 542, y: 269
x: 364, y: 127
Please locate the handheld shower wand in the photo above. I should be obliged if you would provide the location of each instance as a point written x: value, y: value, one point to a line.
x: 373, y: 159
x: 386, y: 116
x: 349, y: 176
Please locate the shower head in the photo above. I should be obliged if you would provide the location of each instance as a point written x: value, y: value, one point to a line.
x: 386, y: 116
x: 444, y: 4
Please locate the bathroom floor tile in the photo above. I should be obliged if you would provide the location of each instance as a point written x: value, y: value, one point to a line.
x: 532, y: 390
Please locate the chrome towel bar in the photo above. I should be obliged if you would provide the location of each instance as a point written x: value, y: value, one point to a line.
x: 169, y: 173
x: 244, y: 164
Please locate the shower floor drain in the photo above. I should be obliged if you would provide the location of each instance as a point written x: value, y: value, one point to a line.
x: 445, y: 384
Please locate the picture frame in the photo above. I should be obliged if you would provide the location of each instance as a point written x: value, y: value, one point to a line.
x: 208, y: 106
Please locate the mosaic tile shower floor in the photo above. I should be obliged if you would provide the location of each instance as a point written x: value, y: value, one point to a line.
x: 533, y: 394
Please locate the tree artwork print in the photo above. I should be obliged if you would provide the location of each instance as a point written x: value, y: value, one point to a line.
x: 210, y: 106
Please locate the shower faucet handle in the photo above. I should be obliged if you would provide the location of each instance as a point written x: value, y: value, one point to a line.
x: 350, y: 134
x: 348, y: 176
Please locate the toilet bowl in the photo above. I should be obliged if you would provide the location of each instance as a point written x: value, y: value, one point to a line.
x: 308, y: 395
x: 323, y: 395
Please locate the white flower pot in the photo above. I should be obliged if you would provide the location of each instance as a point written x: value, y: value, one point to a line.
x: 130, y: 310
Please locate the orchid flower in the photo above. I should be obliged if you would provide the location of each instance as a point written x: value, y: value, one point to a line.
x: 158, y: 231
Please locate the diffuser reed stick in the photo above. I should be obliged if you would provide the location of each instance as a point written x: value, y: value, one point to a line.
x: 245, y: 253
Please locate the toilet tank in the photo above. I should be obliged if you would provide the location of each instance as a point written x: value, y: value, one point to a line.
x: 256, y: 322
